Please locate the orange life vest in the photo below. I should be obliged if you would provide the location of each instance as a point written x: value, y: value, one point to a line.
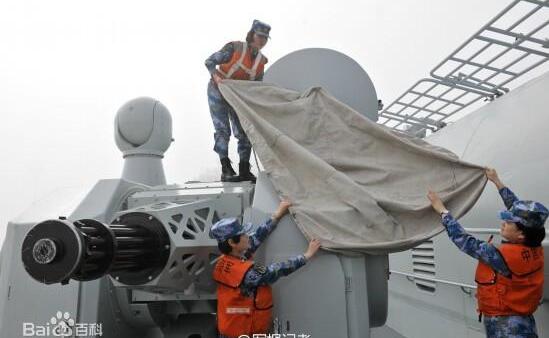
x: 237, y: 314
x: 518, y: 294
x: 241, y: 66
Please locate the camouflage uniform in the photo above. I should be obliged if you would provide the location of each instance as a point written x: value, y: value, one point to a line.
x: 510, y: 327
x: 496, y: 326
x: 222, y: 112
x: 259, y: 274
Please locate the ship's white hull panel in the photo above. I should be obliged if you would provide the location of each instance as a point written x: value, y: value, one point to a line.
x: 512, y: 135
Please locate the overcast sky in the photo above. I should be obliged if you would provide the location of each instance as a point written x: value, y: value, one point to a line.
x: 67, y: 66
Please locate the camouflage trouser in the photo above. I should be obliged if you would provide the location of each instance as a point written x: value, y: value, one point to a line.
x: 510, y: 327
x: 222, y: 113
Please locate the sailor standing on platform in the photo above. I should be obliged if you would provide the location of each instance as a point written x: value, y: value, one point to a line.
x: 244, y: 295
x: 238, y: 60
x: 510, y: 276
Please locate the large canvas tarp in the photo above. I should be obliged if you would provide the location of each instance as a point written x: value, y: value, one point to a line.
x: 355, y: 185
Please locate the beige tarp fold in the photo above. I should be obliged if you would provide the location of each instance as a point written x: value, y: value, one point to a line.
x: 354, y: 184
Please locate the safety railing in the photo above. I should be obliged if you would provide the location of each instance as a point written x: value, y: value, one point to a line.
x: 496, y: 231
x: 466, y: 288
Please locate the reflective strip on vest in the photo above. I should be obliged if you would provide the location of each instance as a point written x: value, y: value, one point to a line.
x: 239, y: 310
x: 252, y: 73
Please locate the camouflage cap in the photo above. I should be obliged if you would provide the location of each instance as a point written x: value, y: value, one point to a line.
x: 226, y: 228
x: 261, y: 28
x: 527, y: 213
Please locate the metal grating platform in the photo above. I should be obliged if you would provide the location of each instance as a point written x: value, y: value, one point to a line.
x: 510, y: 45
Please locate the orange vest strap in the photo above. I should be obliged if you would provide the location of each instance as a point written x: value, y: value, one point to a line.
x: 230, y: 271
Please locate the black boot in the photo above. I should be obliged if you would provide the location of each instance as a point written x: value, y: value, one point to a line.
x: 227, y: 171
x: 244, y: 172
